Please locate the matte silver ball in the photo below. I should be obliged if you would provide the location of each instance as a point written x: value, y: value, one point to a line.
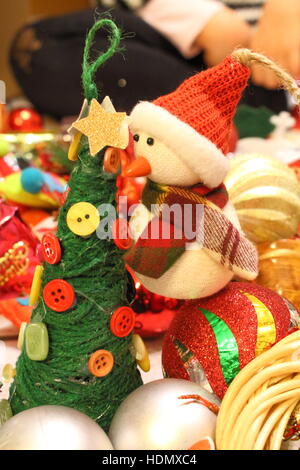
x: 52, y: 428
x: 155, y: 416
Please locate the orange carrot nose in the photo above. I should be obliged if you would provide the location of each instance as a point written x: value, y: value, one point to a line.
x: 139, y: 167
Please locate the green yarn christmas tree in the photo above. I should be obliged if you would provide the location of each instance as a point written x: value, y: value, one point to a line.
x: 95, y: 270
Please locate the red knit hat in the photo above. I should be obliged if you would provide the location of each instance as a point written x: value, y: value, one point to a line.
x: 195, y: 120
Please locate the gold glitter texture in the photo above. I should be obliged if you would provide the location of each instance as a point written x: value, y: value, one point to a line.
x: 102, y: 128
x: 279, y: 268
x: 14, y: 262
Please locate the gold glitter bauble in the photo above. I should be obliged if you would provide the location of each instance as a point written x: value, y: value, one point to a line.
x: 266, y: 195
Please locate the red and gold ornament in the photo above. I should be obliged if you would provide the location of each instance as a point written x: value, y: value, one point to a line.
x: 210, y: 340
x: 17, y: 254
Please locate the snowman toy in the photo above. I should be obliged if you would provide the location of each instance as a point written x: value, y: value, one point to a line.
x: 180, y: 143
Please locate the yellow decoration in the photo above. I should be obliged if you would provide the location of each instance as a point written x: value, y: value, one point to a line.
x: 141, y: 353
x: 83, y: 219
x: 36, y: 285
x: 11, y: 188
x: 266, y: 328
x: 74, y: 146
x: 102, y: 128
x: 258, y: 404
x: 266, y: 195
x: 8, y: 372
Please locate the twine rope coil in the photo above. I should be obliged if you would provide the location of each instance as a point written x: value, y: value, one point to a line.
x: 259, y: 402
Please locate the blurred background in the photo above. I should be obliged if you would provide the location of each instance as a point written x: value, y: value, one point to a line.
x: 14, y: 14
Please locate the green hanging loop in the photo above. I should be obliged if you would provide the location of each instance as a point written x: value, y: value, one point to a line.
x: 89, y: 69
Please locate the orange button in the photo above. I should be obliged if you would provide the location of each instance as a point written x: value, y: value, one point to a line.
x: 59, y: 295
x: 101, y: 363
x: 112, y: 160
x: 122, y: 322
x: 121, y: 234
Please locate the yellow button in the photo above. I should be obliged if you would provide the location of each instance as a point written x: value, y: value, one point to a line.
x: 74, y: 147
x: 141, y: 353
x: 83, y: 219
x: 21, y: 335
x: 36, y: 285
x: 8, y: 372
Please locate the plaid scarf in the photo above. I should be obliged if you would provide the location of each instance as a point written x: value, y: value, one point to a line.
x: 167, y: 236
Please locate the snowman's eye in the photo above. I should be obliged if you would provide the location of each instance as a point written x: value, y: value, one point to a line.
x: 136, y: 137
x: 150, y: 141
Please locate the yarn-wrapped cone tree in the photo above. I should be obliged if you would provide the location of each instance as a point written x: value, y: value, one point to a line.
x: 93, y: 268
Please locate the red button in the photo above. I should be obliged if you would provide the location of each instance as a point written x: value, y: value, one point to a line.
x: 121, y: 234
x: 51, y: 248
x: 122, y: 322
x: 59, y: 295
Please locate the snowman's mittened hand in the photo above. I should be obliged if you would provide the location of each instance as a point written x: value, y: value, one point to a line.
x: 157, y: 249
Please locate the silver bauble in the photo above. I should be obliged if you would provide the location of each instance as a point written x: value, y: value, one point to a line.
x: 52, y: 428
x: 155, y: 416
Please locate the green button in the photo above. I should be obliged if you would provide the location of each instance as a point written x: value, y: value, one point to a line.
x: 37, y: 341
x: 5, y: 411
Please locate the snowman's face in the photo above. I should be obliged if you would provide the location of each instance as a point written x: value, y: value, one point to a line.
x: 166, y: 166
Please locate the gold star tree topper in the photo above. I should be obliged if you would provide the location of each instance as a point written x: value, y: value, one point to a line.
x: 103, y: 127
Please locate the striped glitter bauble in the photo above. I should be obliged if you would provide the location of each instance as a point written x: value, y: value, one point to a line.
x: 266, y: 196
x: 210, y: 340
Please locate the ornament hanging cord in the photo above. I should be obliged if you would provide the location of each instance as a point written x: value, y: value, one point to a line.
x: 247, y: 57
x: 90, y: 68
